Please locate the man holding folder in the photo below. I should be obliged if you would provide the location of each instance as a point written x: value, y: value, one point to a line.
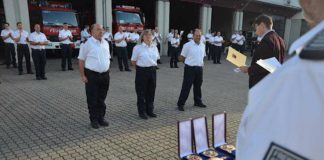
x: 271, y: 45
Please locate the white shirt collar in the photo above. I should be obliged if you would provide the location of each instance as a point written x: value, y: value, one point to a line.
x: 145, y: 45
x: 299, y: 44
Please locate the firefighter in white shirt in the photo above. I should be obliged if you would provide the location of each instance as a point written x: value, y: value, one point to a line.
x: 66, y: 38
x: 85, y: 35
x: 209, y: 37
x: 38, y: 41
x: 284, y: 116
x: 21, y: 38
x: 240, y: 39
x: 168, y: 40
x: 121, y: 49
x: 175, y: 49
x: 217, y: 44
x: 234, y: 41
x: 10, y: 53
x: 132, y: 39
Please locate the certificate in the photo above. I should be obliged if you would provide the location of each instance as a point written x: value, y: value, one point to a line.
x: 236, y: 57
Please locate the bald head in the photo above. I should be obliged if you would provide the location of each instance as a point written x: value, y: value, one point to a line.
x: 313, y: 11
x: 97, y: 31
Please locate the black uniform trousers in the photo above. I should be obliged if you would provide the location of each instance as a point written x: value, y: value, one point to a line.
x: 122, y: 57
x: 66, y: 55
x: 10, y: 54
x: 130, y: 47
x: 193, y: 75
x: 145, y: 84
x: 209, y: 50
x: 217, y: 52
x: 39, y: 58
x: 23, y: 51
x: 174, y: 51
x: 169, y: 48
x: 111, y: 48
x: 96, y: 91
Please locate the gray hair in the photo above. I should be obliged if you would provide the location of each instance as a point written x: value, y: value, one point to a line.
x: 145, y: 32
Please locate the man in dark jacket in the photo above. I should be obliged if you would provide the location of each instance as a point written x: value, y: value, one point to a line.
x: 271, y: 45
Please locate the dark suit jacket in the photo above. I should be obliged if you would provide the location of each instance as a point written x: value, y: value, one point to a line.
x: 272, y: 45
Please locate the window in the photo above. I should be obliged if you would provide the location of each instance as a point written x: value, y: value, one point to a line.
x: 128, y: 18
x: 57, y: 18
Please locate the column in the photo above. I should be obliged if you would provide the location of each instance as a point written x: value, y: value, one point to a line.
x: 10, y: 9
x: 237, y: 21
x: 99, y: 11
x: 162, y: 14
x: 109, y: 13
x: 205, y: 18
x: 24, y: 14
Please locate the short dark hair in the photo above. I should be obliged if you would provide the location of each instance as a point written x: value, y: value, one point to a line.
x: 6, y: 23
x: 18, y: 23
x: 267, y: 20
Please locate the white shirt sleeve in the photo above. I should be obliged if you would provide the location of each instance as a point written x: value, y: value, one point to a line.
x: 184, y: 51
x: 44, y: 39
x: 135, y: 54
x: 60, y: 34
x: 157, y: 53
x: 83, y: 52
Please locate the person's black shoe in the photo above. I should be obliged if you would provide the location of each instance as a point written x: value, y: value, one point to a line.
x: 38, y: 78
x: 44, y: 78
x: 201, y: 105
x: 30, y: 72
x: 219, y: 62
x: 63, y: 69
x: 159, y: 62
x: 121, y: 69
x: 128, y: 70
x: 20, y: 73
x: 143, y: 116
x: 95, y: 125
x: 152, y: 115
x: 176, y: 67
x: 171, y: 66
x: 181, y: 107
x: 103, y: 123
x: 71, y: 69
x: 214, y: 63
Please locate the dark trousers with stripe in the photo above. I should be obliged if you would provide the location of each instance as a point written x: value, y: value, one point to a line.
x: 193, y: 75
x: 39, y: 58
x: 66, y: 55
x: 174, y: 56
x: 96, y: 91
x: 217, y: 52
x: 23, y: 51
x: 145, y: 84
x: 10, y: 54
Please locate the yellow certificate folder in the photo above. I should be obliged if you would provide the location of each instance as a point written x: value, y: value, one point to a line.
x: 236, y: 57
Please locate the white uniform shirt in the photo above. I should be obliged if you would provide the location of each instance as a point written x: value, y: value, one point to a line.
x: 64, y: 34
x: 108, y: 36
x: 209, y: 37
x: 5, y: 33
x: 286, y: 108
x: 23, y: 38
x: 240, y: 39
x: 233, y: 38
x: 194, y: 53
x: 37, y: 37
x: 85, y: 35
x: 170, y: 35
x: 190, y: 36
x: 175, y: 42
x: 145, y: 56
x: 218, y: 41
x: 96, y: 55
x: 118, y: 36
x: 133, y: 37
x: 157, y: 37
x: 202, y: 39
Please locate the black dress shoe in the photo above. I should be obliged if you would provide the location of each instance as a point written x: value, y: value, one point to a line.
x: 38, y: 78
x: 128, y: 70
x: 20, y: 73
x: 71, y: 69
x: 44, y: 78
x: 95, y: 125
x: 171, y: 66
x: 63, y: 69
x: 201, y: 105
x: 121, y: 70
x: 103, y: 123
x: 219, y: 63
x: 181, y: 107
x: 176, y: 67
x: 143, y: 116
x: 30, y: 72
x: 152, y: 115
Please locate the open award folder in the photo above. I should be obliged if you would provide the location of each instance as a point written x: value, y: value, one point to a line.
x: 270, y: 64
x: 236, y: 57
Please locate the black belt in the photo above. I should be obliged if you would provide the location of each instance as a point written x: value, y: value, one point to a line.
x: 38, y: 49
x: 94, y: 72
x: 21, y: 44
x: 146, y: 68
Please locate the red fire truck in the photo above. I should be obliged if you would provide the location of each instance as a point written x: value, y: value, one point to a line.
x: 51, y: 16
x: 129, y: 17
